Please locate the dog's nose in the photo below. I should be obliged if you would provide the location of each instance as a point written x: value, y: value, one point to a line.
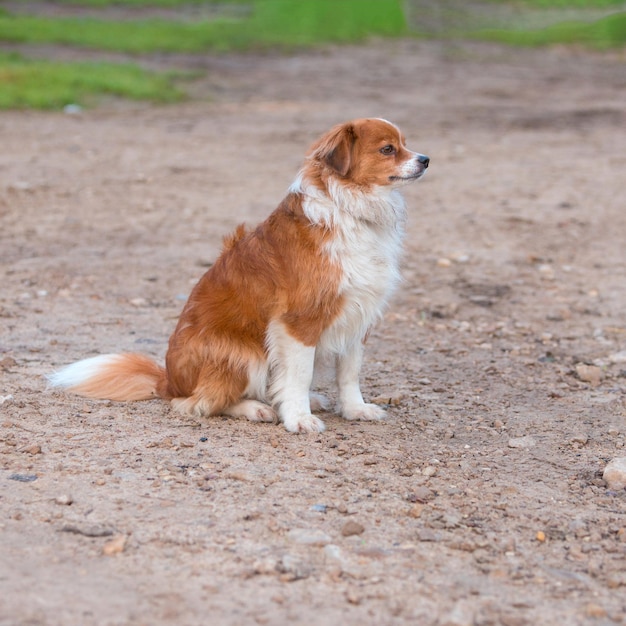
x: 423, y: 159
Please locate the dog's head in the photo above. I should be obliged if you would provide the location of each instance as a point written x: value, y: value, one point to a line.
x: 368, y: 152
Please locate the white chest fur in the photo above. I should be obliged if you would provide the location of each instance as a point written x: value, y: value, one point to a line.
x: 367, y: 244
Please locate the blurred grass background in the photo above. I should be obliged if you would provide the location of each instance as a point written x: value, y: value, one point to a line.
x: 144, y: 27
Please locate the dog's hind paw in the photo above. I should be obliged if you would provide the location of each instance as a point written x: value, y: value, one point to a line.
x: 253, y: 410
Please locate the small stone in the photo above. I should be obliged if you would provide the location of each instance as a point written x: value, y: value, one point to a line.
x: 352, y: 528
x: 522, y: 442
x: 618, y: 357
x: 443, y: 262
x: 581, y: 439
x: 615, y: 474
x: 429, y: 471
x: 616, y: 579
x: 428, y: 535
x: 309, y: 536
x: 338, y: 562
x: 595, y: 610
x: 7, y: 362
x: 293, y: 568
x: 64, y: 499
x: 72, y: 109
x: 23, y: 478
x: 115, y: 546
x: 416, y: 510
x: 34, y: 449
x: 540, y: 536
x: 5, y: 399
x: 353, y: 597
x: 265, y: 566
x: 499, y: 424
x: 589, y: 373
x: 390, y: 400
x: 420, y: 494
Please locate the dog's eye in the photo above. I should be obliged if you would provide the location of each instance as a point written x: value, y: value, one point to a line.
x: 387, y: 150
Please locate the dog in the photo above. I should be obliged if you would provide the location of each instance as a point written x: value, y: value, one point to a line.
x: 287, y: 300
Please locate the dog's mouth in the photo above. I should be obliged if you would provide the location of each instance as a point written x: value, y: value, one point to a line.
x: 414, y: 176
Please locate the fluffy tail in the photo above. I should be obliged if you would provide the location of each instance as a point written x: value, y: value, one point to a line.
x: 121, y: 377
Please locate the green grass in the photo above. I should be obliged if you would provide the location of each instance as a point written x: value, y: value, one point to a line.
x: 142, y: 3
x: 609, y: 32
x: 283, y: 24
x: 269, y: 24
x: 273, y: 23
x: 552, y: 4
x: 48, y: 85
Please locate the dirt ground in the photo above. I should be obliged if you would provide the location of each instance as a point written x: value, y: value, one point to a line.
x: 479, y: 501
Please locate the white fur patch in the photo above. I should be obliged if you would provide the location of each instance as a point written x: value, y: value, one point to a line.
x: 81, y: 371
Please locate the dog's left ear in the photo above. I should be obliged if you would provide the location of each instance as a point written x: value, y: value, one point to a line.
x: 335, y: 148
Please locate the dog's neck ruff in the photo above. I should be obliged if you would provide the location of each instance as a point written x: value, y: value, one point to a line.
x: 340, y: 206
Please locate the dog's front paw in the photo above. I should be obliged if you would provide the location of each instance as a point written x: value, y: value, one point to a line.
x: 304, y: 423
x: 364, y: 412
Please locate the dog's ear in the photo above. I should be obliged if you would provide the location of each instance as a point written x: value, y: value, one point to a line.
x: 335, y: 148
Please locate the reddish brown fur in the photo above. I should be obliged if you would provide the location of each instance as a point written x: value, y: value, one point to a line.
x: 275, y: 272
x: 337, y: 150
x: 135, y: 377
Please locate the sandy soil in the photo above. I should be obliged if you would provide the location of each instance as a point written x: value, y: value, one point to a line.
x: 479, y: 501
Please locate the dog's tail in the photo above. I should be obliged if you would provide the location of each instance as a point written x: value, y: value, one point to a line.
x: 121, y: 377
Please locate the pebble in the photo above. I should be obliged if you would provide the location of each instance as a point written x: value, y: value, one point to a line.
x: 72, y: 109
x: 416, y: 510
x: 581, y: 439
x: 293, y: 568
x: 23, y: 478
x: 387, y: 400
x: 595, y: 610
x: 618, y: 357
x: 615, y: 474
x: 420, y: 494
x: 309, y: 536
x: 319, y: 508
x: 7, y: 362
x: 64, y: 499
x: 33, y: 449
x: 352, y: 528
x: 589, y: 373
x: 336, y: 558
x: 522, y: 442
x: 429, y: 471
x: 115, y: 546
x: 4, y: 399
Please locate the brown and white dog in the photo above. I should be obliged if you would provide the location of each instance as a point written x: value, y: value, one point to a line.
x: 287, y: 299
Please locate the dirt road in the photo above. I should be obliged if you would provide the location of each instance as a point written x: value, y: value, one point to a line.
x: 480, y: 501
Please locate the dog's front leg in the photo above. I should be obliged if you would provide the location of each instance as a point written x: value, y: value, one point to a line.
x: 292, y: 364
x: 351, y: 404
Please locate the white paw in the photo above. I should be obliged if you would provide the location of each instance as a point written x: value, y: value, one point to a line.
x: 319, y: 402
x: 253, y: 410
x: 364, y: 412
x: 304, y: 423
x: 195, y: 407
